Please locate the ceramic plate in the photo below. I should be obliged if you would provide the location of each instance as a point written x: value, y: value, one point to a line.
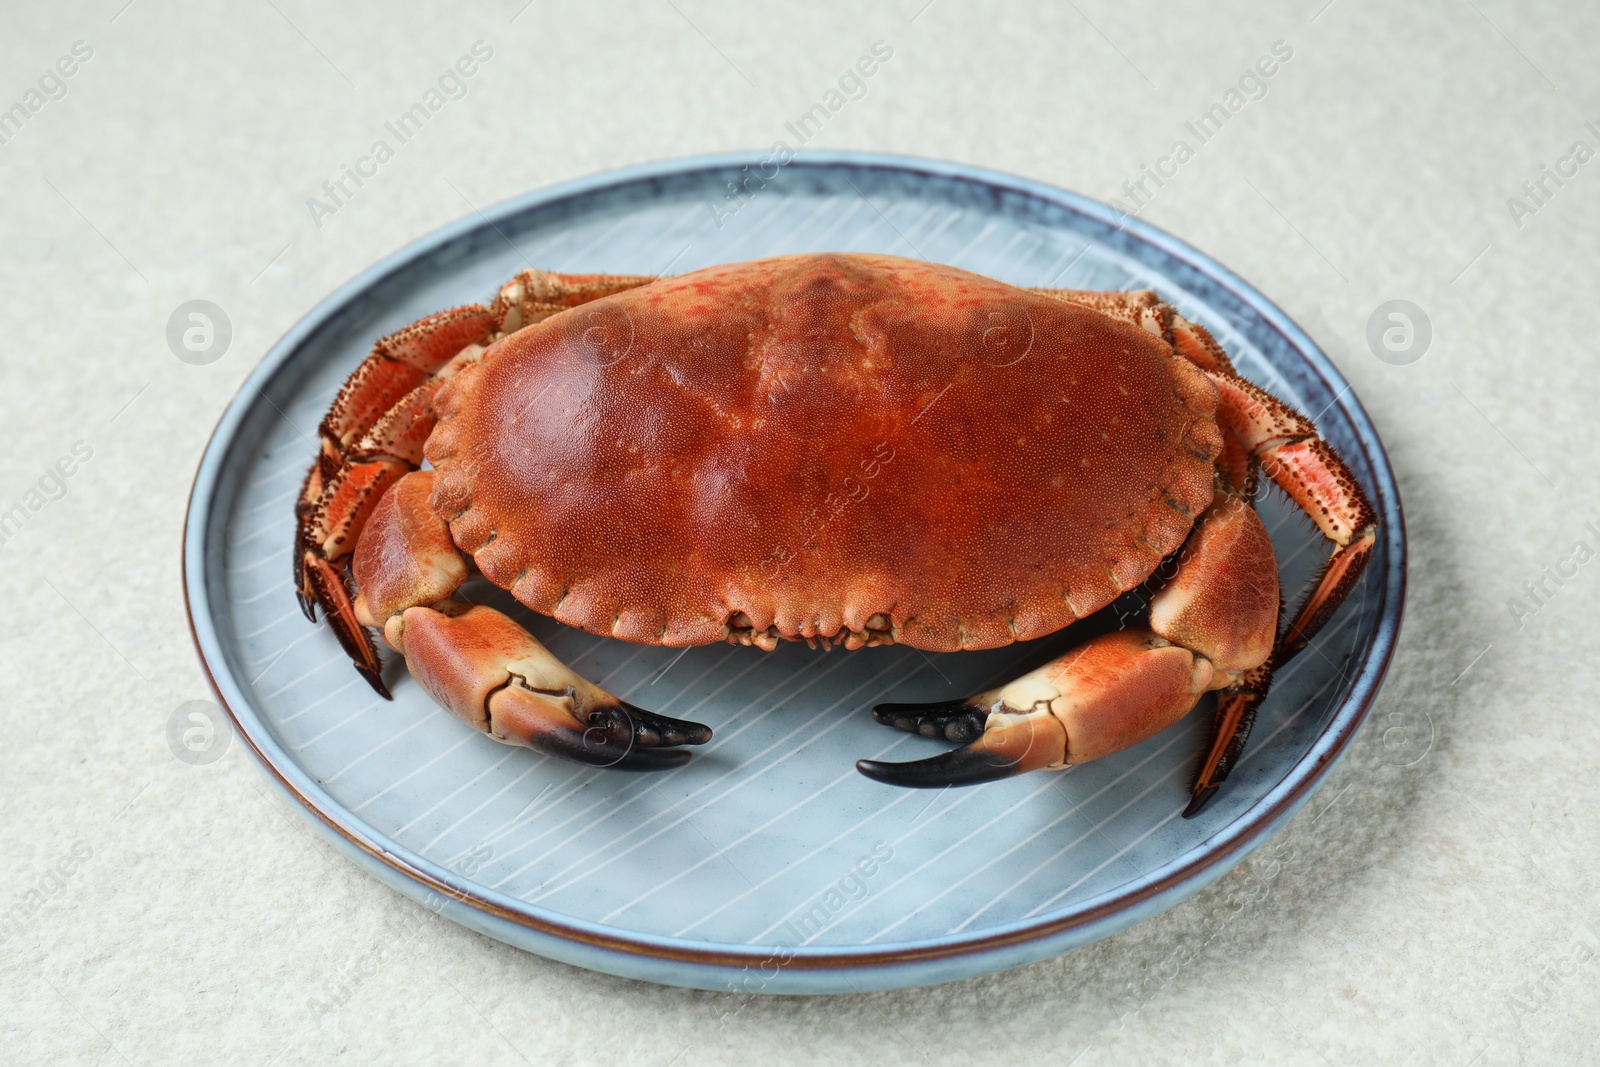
x: 767, y: 863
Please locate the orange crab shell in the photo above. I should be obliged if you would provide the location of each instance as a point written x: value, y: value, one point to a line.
x: 859, y: 449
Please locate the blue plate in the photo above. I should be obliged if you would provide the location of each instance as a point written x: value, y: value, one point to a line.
x: 767, y: 864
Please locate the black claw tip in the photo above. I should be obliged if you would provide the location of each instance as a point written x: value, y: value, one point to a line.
x: 1199, y: 801
x: 626, y: 737
x: 608, y: 741
x: 964, y: 766
x: 302, y: 586
x: 375, y: 680
x: 650, y: 729
x: 651, y: 759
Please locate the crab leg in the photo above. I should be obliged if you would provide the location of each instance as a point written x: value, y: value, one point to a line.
x: 1286, y: 446
x: 1210, y: 625
x: 1260, y: 432
x: 481, y: 664
x: 375, y: 431
x: 372, y: 436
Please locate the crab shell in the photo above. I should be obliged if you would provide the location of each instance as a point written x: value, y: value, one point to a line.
x: 852, y: 449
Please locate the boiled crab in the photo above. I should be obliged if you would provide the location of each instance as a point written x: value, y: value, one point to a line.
x: 847, y: 449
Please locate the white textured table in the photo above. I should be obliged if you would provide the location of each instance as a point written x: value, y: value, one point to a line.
x: 1435, y: 902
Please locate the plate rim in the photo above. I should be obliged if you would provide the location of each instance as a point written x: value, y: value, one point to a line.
x: 682, y: 961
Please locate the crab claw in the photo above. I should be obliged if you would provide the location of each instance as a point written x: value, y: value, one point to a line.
x: 1009, y: 743
x: 497, y: 677
x: 586, y: 730
x: 1108, y: 693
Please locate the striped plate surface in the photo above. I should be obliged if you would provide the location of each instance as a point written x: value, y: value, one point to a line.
x: 768, y: 845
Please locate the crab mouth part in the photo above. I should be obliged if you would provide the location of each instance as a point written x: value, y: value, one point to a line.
x: 741, y: 630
